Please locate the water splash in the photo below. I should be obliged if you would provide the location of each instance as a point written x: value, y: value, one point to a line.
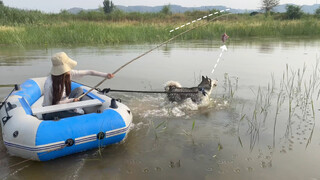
x: 137, y: 126
x: 153, y: 106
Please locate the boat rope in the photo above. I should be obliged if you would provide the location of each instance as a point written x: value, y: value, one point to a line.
x: 152, y: 49
x: 27, y: 160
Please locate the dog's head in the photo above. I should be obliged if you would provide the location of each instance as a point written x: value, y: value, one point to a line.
x: 207, y: 83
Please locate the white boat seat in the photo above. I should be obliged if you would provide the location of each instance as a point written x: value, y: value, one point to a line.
x: 67, y: 106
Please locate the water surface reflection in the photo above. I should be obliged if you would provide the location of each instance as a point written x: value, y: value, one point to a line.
x: 233, y: 137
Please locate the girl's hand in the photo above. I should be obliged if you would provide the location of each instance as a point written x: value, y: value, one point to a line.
x: 110, y: 76
x: 76, y: 99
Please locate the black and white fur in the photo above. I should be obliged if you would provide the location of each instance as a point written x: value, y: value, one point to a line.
x: 177, y: 93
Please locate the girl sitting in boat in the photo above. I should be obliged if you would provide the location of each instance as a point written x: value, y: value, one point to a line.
x: 57, y: 88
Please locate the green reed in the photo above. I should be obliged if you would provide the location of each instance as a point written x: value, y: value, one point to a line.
x: 230, y: 86
x: 163, y: 124
x: 260, y: 112
x: 280, y: 100
x: 190, y: 132
x: 314, y: 124
x: 296, y: 91
x: 238, y: 130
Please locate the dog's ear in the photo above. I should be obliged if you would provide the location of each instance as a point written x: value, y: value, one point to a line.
x: 207, y: 77
x: 203, y: 78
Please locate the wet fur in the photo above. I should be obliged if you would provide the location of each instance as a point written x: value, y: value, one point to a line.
x: 196, y: 95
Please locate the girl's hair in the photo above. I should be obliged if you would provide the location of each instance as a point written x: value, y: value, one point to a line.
x: 58, y: 84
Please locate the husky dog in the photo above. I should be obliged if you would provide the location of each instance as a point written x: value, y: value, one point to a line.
x: 176, y: 93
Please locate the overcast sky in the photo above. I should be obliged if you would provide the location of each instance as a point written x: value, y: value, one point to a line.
x: 57, y: 5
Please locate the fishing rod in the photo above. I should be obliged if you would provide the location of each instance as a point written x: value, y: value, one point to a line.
x: 147, y: 52
x: 6, y: 85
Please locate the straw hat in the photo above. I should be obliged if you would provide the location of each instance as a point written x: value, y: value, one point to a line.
x: 61, y: 64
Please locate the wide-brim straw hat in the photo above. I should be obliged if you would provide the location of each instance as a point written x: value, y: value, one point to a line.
x: 61, y: 64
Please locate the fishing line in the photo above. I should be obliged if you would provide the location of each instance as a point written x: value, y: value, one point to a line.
x: 223, y: 48
x: 147, y: 52
x: 197, y: 20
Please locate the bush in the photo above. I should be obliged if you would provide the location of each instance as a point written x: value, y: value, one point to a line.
x: 294, y: 12
x: 317, y: 13
x: 91, y: 15
x: 196, y: 14
x: 166, y: 10
x: 116, y: 15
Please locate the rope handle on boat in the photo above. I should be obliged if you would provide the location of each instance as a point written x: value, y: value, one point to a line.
x: 147, y: 52
x: 5, y: 119
x: 16, y: 88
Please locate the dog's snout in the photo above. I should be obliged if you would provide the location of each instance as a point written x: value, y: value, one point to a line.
x: 215, y: 82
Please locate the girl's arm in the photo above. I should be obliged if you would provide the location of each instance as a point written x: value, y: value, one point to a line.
x: 66, y: 100
x: 47, y: 93
x: 75, y: 74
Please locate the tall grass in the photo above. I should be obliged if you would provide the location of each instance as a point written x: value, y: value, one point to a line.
x: 82, y: 33
x: 88, y: 32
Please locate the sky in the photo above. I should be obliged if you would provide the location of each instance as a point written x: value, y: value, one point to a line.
x: 57, y: 5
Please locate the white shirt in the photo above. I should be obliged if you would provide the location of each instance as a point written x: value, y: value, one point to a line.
x: 74, y: 74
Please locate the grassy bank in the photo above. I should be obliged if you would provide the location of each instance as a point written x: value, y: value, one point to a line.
x: 90, y: 33
x: 20, y: 27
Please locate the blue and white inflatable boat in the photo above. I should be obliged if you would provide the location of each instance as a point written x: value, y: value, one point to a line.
x: 26, y: 135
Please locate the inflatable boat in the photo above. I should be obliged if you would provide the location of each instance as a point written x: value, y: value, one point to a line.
x: 25, y: 134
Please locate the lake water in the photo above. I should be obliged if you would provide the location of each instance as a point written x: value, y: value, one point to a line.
x: 261, y: 121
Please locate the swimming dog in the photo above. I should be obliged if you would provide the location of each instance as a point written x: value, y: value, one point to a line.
x: 176, y: 93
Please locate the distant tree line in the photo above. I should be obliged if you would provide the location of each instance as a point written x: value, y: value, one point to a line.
x: 109, y: 7
x: 292, y: 11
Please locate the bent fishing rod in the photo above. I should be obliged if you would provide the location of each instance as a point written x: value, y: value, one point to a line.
x: 147, y: 52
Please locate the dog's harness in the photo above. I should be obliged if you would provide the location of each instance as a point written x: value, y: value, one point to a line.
x: 203, y: 91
